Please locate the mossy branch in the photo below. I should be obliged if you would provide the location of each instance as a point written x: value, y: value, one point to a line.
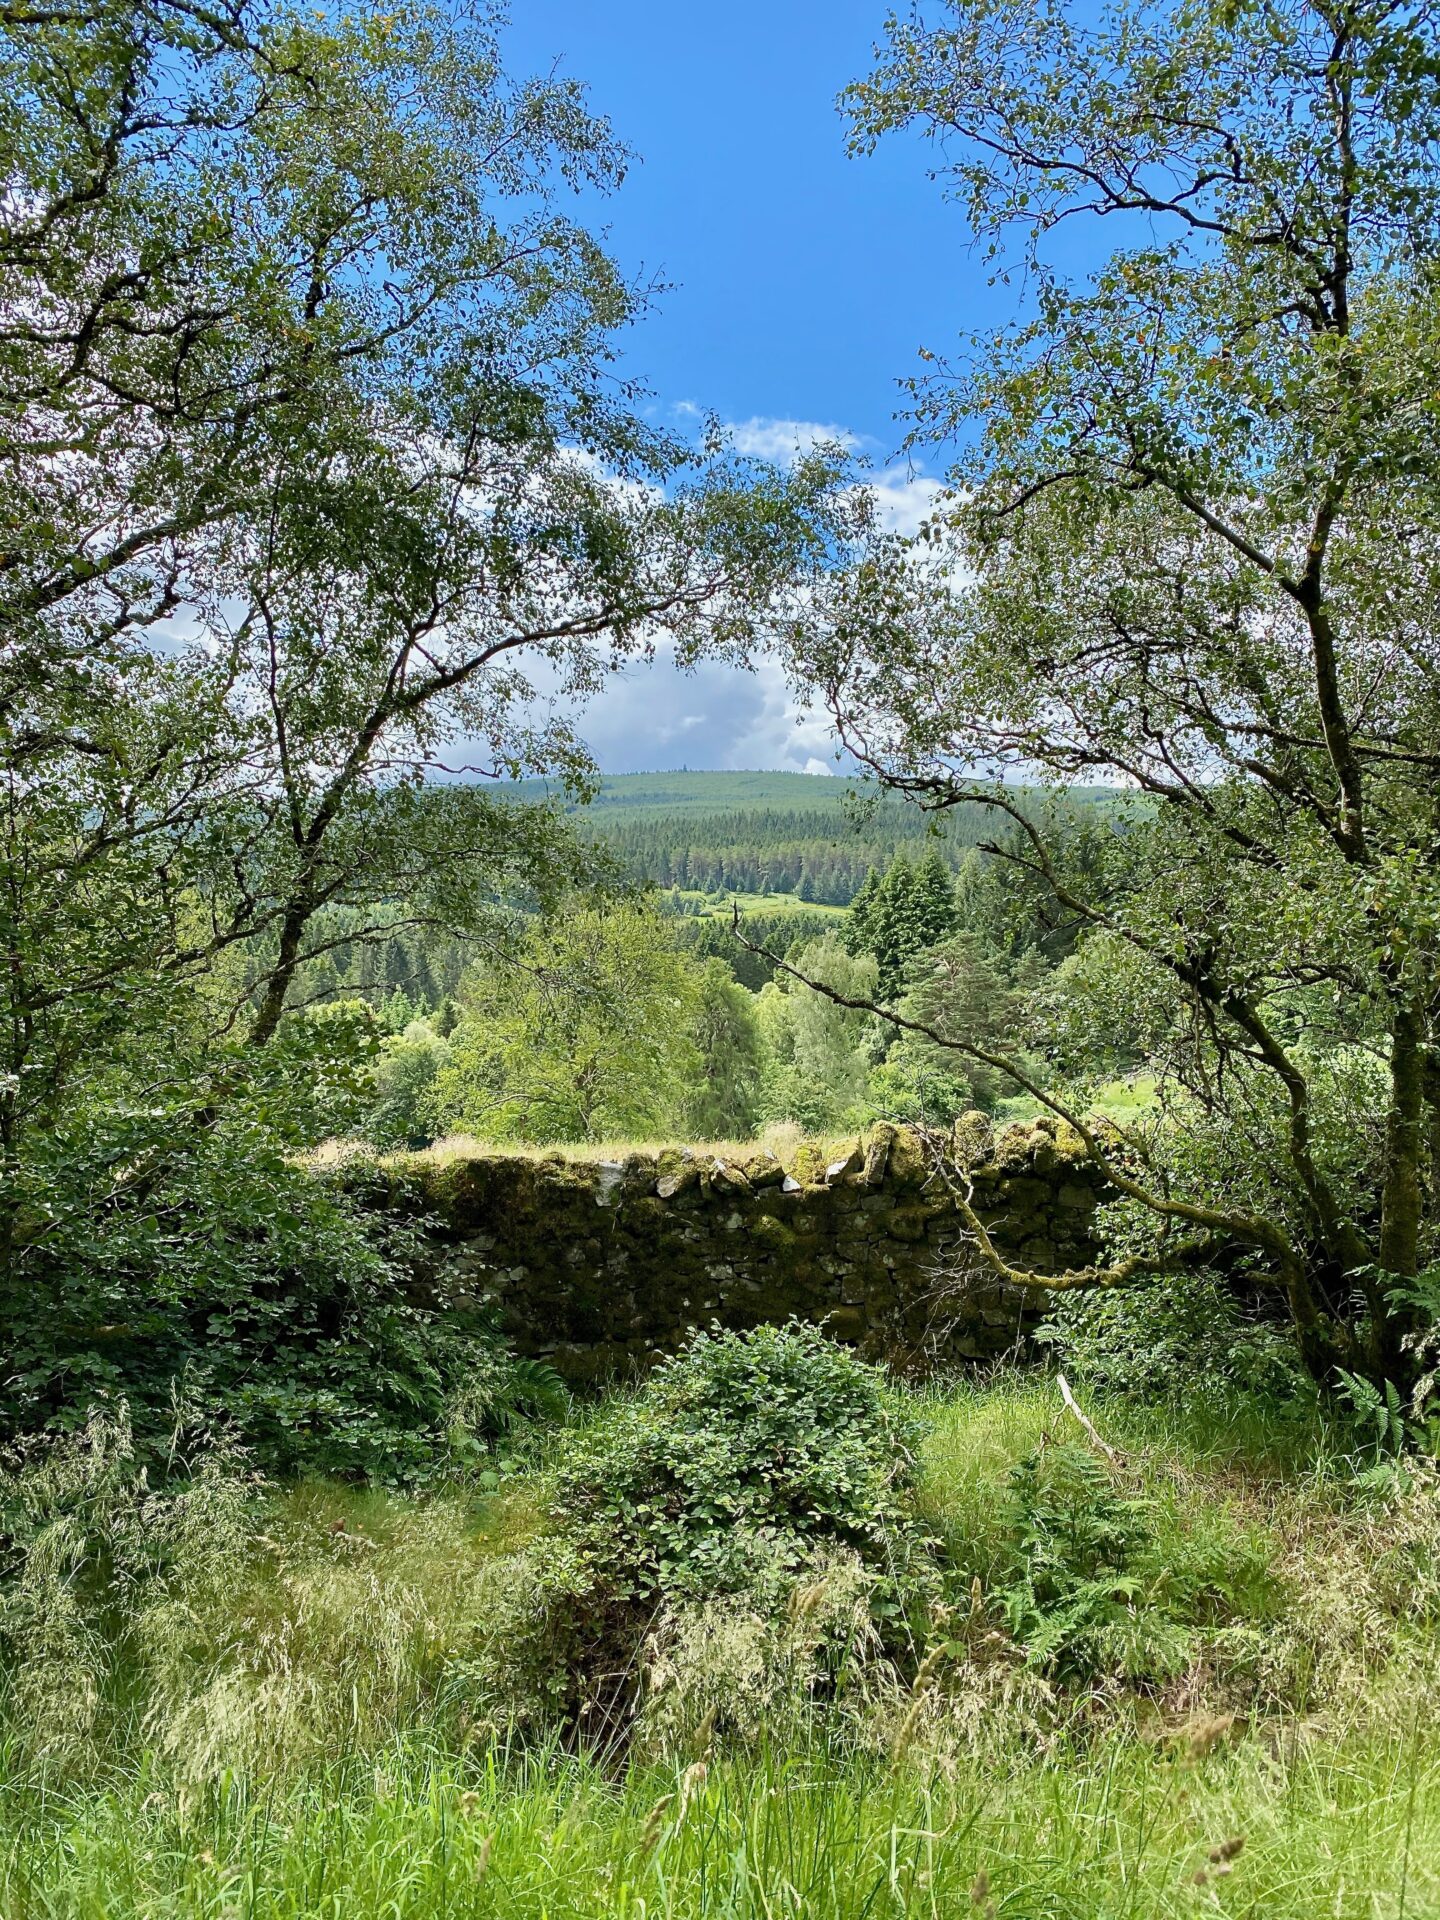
x: 1215, y: 1221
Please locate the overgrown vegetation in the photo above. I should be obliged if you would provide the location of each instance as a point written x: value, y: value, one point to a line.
x: 890, y: 1650
x: 319, y: 462
x: 603, y: 1022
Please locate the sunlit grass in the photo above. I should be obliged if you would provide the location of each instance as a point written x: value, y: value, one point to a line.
x: 784, y: 1139
x: 1121, y: 1829
x: 768, y: 903
x: 322, y: 1746
x: 1119, y: 1100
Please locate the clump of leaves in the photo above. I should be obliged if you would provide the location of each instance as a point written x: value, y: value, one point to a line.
x: 1193, y: 1328
x: 496, y: 1412
x: 1390, y: 1429
x: 740, y: 1461
x: 150, y: 1253
x: 1386, y: 1436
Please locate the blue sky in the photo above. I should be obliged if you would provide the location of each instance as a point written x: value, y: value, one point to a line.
x: 803, y: 282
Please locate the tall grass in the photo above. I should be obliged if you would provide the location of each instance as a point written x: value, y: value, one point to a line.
x: 313, y: 1703
x: 1116, y: 1830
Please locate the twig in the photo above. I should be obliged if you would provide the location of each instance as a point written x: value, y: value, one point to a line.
x: 1068, y: 1397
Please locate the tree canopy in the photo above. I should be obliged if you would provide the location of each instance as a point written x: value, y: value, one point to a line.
x: 583, y: 1035
x: 898, y: 914
x: 324, y: 497
x: 320, y: 468
x: 1191, y: 550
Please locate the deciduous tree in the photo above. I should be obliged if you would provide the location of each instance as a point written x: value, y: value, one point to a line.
x: 320, y: 482
x: 585, y: 1032
x: 1194, y: 550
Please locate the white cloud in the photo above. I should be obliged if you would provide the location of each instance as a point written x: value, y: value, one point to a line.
x: 903, y: 496
x: 763, y: 438
x: 651, y: 717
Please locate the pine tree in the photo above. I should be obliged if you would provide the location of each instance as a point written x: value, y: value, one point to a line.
x: 860, y: 927
x: 934, y: 896
x: 897, y: 916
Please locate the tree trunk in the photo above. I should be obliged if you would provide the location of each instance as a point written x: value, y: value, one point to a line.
x: 287, y: 959
x: 1321, y: 1344
x: 1402, y: 1204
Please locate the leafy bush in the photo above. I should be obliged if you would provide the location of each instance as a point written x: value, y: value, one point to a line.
x: 738, y: 1535
x: 501, y: 1405
x: 405, y: 1113
x: 747, y: 1453
x: 1183, y: 1334
x: 911, y: 1087
x: 150, y: 1255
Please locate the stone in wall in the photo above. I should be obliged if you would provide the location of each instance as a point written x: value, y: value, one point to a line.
x: 598, y: 1266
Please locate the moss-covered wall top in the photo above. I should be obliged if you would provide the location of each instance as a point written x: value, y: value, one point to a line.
x: 597, y: 1265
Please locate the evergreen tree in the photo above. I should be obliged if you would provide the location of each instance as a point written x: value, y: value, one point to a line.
x: 899, y: 915
x: 860, y: 928
x: 934, y: 899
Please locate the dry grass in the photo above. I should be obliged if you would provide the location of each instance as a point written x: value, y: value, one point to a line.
x: 784, y: 1139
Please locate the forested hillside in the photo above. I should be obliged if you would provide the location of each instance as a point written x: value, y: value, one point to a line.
x: 687, y: 790
x: 800, y: 833
x: 816, y: 853
x: 788, y: 848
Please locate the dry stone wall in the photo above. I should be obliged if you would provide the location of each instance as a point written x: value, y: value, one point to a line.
x: 598, y: 1266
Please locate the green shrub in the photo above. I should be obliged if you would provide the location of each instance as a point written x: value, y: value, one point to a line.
x: 1182, y: 1334
x: 498, y: 1413
x: 738, y: 1537
x: 149, y: 1256
x: 405, y: 1113
x: 747, y: 1453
